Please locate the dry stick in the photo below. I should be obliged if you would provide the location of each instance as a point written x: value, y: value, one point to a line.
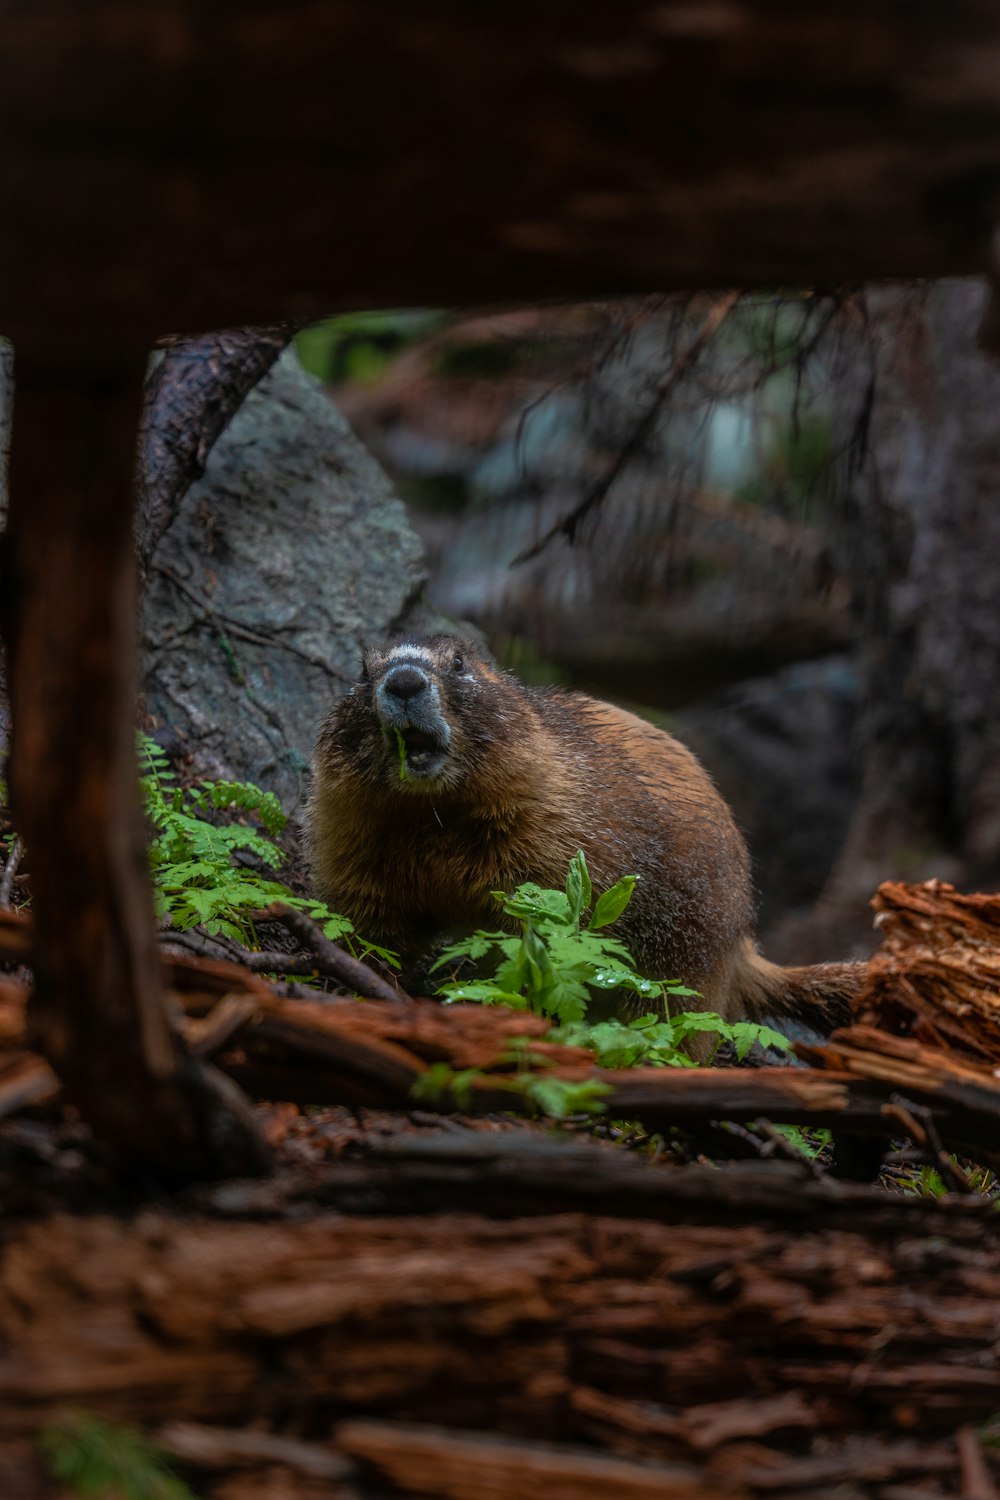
x: 330, y: 959
x: 918, y: 1122
x: 977, y: 1481
x: 207, y: 1447
x: 567, y: 525
x: 266, y: 962
x: 10, y: 870
x: 211, y: 1033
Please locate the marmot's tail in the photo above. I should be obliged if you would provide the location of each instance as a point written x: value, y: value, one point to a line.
x: 819, y: 995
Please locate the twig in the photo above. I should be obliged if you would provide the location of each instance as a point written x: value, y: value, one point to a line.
x: 272, y: 961
x: 10, y: 870
x: 918, y: 1122
x: 781, y: 1146
x: 330, y: 959
x: 568, y: 524
x: 576, y: 376
x: 216, y: 619
x: 201, y: 944
x: 208, y: 1035
x: 977, y: 1481
x: 232, y: 1447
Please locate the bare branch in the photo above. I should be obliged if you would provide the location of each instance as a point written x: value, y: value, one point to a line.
x: 569, y: 524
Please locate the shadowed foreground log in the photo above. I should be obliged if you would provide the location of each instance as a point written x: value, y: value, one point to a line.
x: 721, y: 1339
x: 210, y: 169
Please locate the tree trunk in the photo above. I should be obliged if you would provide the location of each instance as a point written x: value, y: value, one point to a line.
x: 920, y: 528
x: 99, y: 1011
x: 193, y: 389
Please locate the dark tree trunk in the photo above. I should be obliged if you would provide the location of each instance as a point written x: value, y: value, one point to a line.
x: 921, y: 535
x: 69, y: 625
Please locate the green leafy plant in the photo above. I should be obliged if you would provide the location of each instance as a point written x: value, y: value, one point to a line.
x: 556, y: 1097
x: 558, y: 961
x: 809, y: 1141
x: 193, y: 855
x: 98, y: 1460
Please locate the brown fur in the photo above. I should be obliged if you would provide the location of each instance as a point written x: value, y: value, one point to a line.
x: 532, y: 775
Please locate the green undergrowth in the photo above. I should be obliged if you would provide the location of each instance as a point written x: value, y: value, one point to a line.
x: 559, y: 964
x: 212, y: 855
x: 211, y: 866
x: 96, y: 1460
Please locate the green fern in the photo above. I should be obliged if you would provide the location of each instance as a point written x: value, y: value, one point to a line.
x: 195, y: 879
x: 559, y: 960
x: 98, y: 1460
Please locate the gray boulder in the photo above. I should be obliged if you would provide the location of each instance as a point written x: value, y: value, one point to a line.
x: 285, y: 557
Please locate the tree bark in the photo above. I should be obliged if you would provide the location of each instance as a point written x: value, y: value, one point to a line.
x: 919, y: 527
x: 193, y: 388
x: 99, y: 1012
x: 720, y: 1339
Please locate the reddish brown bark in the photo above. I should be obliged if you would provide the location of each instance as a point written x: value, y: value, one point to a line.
x: 718, y: 1351
x: 99, y: 1013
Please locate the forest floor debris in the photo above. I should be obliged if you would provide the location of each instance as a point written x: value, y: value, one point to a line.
x: 432, y: 1300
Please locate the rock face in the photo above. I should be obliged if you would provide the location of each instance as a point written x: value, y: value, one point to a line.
x: 282, y: 560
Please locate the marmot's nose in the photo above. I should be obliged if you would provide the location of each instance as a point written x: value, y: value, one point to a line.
x: 405, y: 682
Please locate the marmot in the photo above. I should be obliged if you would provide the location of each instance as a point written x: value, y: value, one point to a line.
x: 440, y: 778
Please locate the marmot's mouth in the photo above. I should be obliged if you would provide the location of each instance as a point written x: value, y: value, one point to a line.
x: 421, y: 753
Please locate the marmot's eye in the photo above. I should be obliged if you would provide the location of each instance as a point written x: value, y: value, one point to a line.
x: 457, y: 663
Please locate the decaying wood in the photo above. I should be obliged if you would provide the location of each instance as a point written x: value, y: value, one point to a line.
x: 936, y: 976
x: 928, y: 1018
x: 719, y: 1343
x: 98, y: 1014
x: 614, y: 1323
x: 425, y: 1460
x: 330, y: 1050
x: 235, y: 1448
x: 521, y: 1171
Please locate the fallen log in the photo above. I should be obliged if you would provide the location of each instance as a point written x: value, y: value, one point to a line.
x: 936, y: 977
x: 332, y: 1050
x: 67, y: 620
x: 746, y: 1351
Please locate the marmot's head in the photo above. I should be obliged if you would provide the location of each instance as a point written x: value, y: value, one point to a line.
x: 424, y: 714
